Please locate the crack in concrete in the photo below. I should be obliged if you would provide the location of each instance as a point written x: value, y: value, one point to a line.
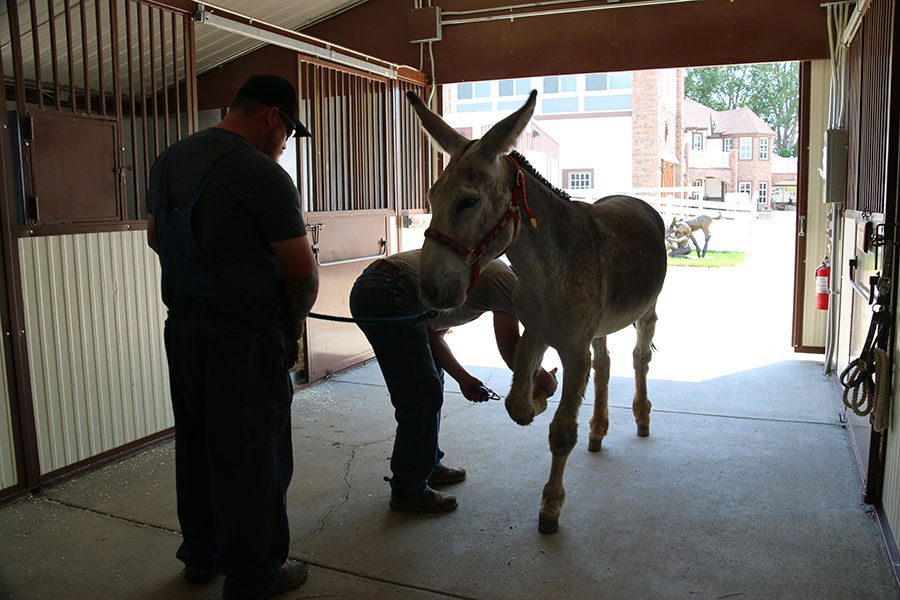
x: 346, y: 477
x: 106, y: 514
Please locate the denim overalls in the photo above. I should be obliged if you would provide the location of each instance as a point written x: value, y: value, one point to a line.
x: 231, y: 396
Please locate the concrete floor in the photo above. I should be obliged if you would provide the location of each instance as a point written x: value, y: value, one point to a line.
x: 746, y: 488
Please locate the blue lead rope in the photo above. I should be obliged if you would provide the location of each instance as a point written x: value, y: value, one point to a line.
x: 411, y: 320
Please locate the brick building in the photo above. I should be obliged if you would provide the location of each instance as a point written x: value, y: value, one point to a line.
x: 727, y: 151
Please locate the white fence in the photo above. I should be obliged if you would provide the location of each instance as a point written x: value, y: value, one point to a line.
x: 734, y: 219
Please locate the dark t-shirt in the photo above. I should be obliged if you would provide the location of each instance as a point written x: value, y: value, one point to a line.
x: 250, y: 202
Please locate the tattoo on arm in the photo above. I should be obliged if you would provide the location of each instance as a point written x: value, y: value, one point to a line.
x: 301, y: 295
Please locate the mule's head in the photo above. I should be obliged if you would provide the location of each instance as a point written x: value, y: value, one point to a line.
x: 467, y: 201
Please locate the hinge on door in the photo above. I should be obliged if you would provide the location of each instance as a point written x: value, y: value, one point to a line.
x: 801, y: 226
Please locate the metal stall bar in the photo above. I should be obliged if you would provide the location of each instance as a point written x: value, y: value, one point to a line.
x: 51, y: 19
x: 117, y: 99
x: 129, y: 41
x: 70, y: 55
x: 85, y: 62
x: 153, y: 90
x: 35, y: 44
x: 145, y: 171
x: 165, y: 76
x: 100, y: 79
x: 175, y: 77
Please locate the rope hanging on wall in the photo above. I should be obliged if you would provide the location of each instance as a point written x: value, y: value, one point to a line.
x: 866, y: 379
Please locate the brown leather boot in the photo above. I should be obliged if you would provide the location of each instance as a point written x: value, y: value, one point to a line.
x: 444, y: 475
x: 426, y: 501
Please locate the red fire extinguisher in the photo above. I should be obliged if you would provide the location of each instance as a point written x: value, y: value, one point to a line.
x: 823, y: 275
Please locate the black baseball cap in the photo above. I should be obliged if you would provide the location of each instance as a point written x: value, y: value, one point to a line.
x: 277, y: 92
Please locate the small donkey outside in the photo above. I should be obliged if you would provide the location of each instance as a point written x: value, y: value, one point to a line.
x: 599, y: 266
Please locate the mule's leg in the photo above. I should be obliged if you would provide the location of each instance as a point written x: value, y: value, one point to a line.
x: 600, y: 420
x: 527, y: 360
x: 646, y: 327
x: 707, y: 235
x: 563, y: 435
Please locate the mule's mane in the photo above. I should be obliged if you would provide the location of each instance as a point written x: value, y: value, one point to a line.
x: 528, y: 168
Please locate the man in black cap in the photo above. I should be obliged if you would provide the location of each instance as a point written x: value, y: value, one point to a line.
x: 238, y: 279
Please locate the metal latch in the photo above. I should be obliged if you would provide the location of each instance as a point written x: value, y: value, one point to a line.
x: 882, y: 235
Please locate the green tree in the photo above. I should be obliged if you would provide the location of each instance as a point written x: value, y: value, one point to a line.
x: 770, y: 90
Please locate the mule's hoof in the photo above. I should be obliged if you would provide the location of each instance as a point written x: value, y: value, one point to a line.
x: 521, y: 414
x: 594, y: 444
x: 546, y: 525
x: 643, y: 430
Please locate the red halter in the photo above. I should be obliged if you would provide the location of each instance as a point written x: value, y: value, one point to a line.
x: 471, y: 256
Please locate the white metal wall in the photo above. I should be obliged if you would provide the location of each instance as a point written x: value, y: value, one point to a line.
x: 814, y: 320
x: 94, y: 331
x: 8, y: 476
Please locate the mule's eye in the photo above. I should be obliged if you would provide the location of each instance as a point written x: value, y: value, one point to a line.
x: 466, y: 202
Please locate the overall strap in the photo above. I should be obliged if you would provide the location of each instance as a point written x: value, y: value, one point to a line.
x: 198, y: 190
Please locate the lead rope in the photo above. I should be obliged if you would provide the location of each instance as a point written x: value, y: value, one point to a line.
x: 869, y: 388
x: 866, y: 379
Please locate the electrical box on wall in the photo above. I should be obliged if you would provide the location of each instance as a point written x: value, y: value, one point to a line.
x: 835, y: 165
x: 425, y: 24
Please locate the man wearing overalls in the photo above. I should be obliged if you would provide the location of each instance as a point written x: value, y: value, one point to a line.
x: 238, y: 279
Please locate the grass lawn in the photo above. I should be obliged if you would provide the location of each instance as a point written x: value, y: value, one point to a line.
x: 712, y: 259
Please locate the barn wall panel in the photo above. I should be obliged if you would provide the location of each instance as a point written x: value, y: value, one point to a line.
x: 94, y: 328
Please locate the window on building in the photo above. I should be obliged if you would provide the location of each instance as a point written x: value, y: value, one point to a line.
x: 507, y: 87
x: 698, y: 185
x: 620, y: 81
x: 596, y: 82
x: 580, y: 180
x: 763, y: 196
x: 523, y: 86
x: 763, y: 148
x: 559, y: 84
x: 464, y: 91
x: 745, y: 187
x: 746, y: 148
x: 697, y: 141
x: 727, y: 144
x: 483, y: 89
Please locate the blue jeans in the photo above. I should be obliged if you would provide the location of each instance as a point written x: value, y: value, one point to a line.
x: 414, y: 380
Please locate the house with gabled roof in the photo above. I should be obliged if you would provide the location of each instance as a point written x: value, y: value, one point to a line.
x: 727, y: 151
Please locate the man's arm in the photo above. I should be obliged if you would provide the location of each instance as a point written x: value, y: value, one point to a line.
x: 506, y: 330
x: 301, y: 278
x: 470, y: 386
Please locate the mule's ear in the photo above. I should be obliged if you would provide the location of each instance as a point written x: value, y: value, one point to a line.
x: 446, y: 137
x: 502, y: 136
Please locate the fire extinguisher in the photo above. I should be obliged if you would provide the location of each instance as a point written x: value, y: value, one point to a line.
x: 823, y: 275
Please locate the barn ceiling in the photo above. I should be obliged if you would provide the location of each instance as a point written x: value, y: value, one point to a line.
x: 215, y: 47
